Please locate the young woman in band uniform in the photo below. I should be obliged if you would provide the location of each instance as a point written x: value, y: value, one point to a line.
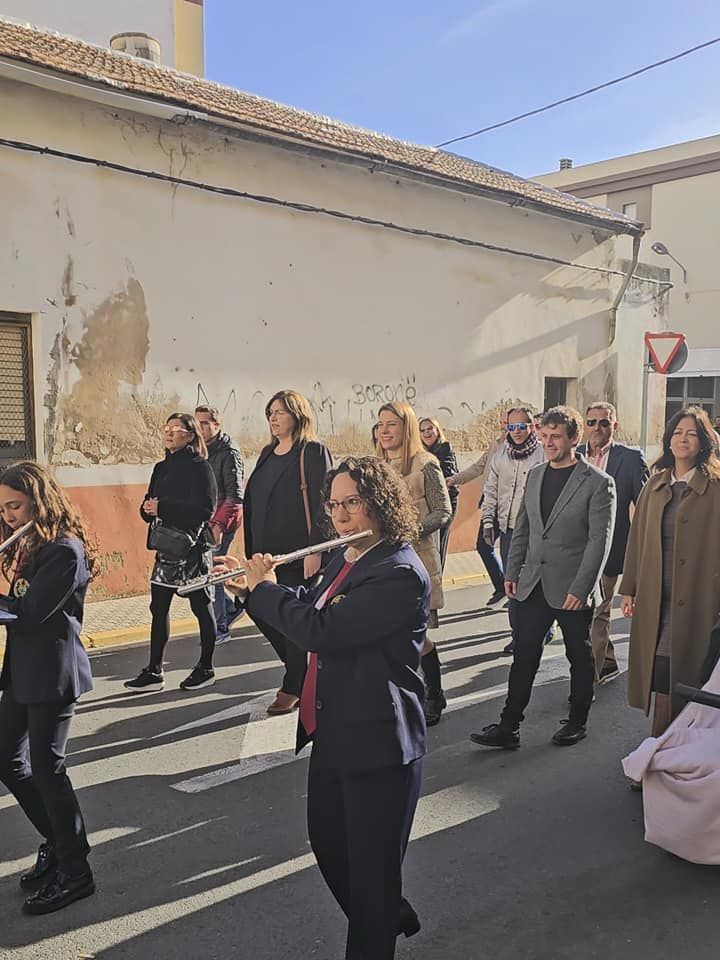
x: 45, y: 670
x: 364, y: 626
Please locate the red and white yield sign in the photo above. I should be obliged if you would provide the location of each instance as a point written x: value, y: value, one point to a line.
x: 664, y: 348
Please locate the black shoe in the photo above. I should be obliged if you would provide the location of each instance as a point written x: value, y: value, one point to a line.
x: 46, y: 862
x: 609, y: 672
x: 495, y: 598
x: 408, y: 923
x: 60, y: 892
x: 200, y: 677
x: 434, y: 706
x: 510, y: 648
x: 569, y: 733
x: 496, y: 735
x: 146, y: 681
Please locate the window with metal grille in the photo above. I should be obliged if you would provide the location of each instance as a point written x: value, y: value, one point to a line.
x: 17, y: 441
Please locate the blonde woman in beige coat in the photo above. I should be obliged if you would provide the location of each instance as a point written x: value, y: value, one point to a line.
x: 400, y: 444
x: 671, y: 578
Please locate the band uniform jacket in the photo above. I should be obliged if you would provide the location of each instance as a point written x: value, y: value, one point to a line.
x: 368, y: 638
x: 628, y: 468
x: 568, y: 553
x: 44, y: 656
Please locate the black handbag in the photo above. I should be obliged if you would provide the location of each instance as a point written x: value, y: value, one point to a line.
x: 169, y: 541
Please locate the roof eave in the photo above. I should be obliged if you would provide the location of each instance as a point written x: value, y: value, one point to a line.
x: 269, y: 134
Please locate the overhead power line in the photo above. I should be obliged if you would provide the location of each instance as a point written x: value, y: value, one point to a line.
x: 577, y: 96
x: 296, y: 206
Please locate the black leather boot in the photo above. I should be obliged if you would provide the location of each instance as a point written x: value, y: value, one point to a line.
x: 44, y: 865
x: 60, y: 892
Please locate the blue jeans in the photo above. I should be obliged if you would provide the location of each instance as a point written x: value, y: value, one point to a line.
x: 490, y: 561
x: 222, y: 604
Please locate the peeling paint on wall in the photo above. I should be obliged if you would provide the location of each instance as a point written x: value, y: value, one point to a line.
x: 106, y: 417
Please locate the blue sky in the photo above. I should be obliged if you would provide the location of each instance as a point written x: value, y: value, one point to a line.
x: 426, y: 71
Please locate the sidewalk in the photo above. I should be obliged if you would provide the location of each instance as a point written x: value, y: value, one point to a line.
x: 110, y: 623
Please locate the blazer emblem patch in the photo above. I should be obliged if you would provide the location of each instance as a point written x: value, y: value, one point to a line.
x: 337, y: 598
x: 21, y: 587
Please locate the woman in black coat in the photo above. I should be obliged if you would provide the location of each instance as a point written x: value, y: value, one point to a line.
x: 45, y: 670
x: 283, y: 512
x: 181, y: 497
x: 435, y: 442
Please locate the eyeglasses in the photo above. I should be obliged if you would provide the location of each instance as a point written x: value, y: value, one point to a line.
x: 512, y: 427
x: 349, y: 504
x: 604, y: 422
x: 169, y: 431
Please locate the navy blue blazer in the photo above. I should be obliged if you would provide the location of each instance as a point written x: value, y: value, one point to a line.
x: 627, y: 466
x: 368, y: 639
x: 44, y: 656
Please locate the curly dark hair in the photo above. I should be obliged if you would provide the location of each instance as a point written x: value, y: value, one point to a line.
x: 385, y: 494
x: 53, y: 514
x: 708, y: 461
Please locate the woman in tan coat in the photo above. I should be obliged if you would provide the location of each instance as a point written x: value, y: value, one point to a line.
x: 671, y: 580
x: 399, y: 444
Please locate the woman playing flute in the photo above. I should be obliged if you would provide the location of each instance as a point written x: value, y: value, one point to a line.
x: 44, y: 671
x: 362, y: 700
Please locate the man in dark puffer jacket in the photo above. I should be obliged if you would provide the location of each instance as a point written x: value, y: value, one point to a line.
x: 227, y: 464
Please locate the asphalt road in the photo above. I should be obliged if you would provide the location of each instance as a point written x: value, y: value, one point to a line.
x: 195, y: 807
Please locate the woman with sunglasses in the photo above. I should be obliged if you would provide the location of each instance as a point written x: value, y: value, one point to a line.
x: 363, y: 627
x: 400, y: 445
x: 505, y: 487
x: 435, y: 442
x: 181, y: 495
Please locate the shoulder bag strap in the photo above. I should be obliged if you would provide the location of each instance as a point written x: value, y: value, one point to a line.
x: 304, y: 491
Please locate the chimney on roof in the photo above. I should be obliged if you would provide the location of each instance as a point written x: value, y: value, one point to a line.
x: 565, y: 163
x: 140, y: 45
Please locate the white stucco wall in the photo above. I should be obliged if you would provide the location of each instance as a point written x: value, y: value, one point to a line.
x: 242, y: 297
x: 97, y: 20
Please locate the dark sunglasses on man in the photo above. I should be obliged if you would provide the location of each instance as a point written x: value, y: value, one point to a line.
x: 604, y: 422
x: 512, y: 427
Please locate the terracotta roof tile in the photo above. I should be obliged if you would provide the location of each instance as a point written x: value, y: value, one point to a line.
x: 106, y: 67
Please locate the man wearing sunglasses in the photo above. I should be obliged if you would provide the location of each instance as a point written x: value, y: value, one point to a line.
x: 627, y: 466
x: 505, y: 486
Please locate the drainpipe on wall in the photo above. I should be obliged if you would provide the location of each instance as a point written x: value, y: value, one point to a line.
x: 623, y: 287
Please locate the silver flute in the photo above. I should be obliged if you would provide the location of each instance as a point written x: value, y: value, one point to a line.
x: 14, y: 537
x: 213, y: 579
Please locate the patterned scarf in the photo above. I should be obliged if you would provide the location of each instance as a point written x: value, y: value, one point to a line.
x: 521, y: 451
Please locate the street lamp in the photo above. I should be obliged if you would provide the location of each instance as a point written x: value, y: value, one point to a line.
x: 663, y: 251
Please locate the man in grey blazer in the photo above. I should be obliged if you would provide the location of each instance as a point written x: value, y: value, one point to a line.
x: 559, y: 548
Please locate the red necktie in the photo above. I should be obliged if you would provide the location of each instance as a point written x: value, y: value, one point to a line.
x: 308, y: 696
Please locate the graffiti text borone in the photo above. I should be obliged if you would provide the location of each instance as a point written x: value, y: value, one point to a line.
x: 385, y: 392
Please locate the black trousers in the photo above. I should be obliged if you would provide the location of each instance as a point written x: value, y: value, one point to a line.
x: 359, y: 824
x: 201, y: 605
x: 33, y: 739
x: 533, y: 619
x: 445, y: 537
x: 293, y: 657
